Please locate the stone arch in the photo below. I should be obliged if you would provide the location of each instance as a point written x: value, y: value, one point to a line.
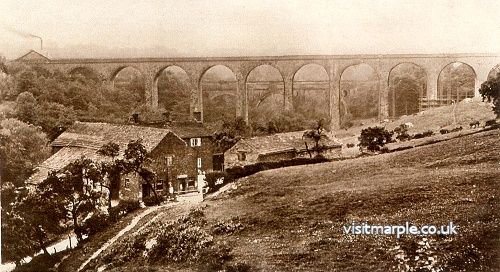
x: 359, y: 92
x: 84, y: 71
x: 406, y: 92
x: 265, y: 92
x: 218, y: 85
x: 173, y: 85
x: 121, y: 68
x: 311, y: 92
x: 455, y: 83
x: 495, y: 71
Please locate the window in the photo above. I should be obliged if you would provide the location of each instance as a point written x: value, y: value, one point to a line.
x: 159, y: 185
x: 199, y: 162
x: 242, y: 156
x: 195, y: 141
x: 169, y: 160
x: 127, y: 183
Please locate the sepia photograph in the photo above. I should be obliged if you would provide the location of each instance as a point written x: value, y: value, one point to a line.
x: 250, y: 135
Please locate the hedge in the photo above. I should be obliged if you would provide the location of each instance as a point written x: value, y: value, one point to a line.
x: 242, y: 171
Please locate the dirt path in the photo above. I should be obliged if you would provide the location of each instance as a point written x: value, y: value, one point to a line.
x: 123, y: 231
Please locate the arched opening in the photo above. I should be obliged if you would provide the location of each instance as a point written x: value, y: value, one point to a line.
x: 174, y: 93
x: 84, y: 73
x: 128, y: 88
x: 407, y: 86
x: 265, y: 93
x: 219, y: 94
x: 455, y: 83
x: 311, y: 92
x: 494, y: 72
x: 359, y: 95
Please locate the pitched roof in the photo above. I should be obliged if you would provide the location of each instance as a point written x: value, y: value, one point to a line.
x: 190, y: 131
x: 280, y: 142
x: 33, y: 56
x: 85, y: 138
x: 94, y: 135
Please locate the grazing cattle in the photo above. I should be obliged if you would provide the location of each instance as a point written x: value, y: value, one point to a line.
x: 444, y: 131
x: 349, y: 145
x: 474, y: 124
x: 456, y: 129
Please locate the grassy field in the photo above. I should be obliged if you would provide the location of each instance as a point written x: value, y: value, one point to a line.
x: 293, y: 217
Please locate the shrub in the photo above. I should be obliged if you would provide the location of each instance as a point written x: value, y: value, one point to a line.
x: 152, y: 200
x: 122, y: 209
x: 491, y: 122
x: 402, y: 133
x: 95, y: 224
x: 373, y: 138
x: 444, y: 131
x: 227, y: 227
x: 428, y: 133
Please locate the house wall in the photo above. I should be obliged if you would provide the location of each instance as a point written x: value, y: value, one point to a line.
x: 134, y: 189
x: 231, y: 158
x: 205, y: 152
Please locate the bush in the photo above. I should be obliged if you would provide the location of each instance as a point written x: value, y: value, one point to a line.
x: 95, y: 224
x: 491, y: 122
x: 373, y: 138
x: 402, y: 133
x: 152, y: 200
x: 227, y: 227
x: 122, y: 209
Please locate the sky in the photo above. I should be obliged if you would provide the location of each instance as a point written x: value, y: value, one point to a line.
x: 170, y: 28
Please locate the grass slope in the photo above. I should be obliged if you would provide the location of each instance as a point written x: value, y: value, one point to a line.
x: 293, y: 217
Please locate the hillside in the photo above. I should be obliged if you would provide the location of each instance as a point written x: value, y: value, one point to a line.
x: 292, y: 218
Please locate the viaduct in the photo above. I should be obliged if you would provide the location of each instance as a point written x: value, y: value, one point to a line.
x: 334, y: 65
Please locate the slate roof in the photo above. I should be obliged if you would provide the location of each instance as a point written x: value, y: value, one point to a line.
x: 94, y: 135
x: 33, y: 56
x: 280, y: 142
x: 85, y: 138
x: 190, y: 131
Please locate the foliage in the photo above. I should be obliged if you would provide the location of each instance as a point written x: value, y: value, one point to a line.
x: 62, y: 98
x: 73, y: 190
x: 402, y: 133
x: 152, y: 200
x: 227, y: 227
x: 174, y: 96
x: 109, y: 149
x: 122, y: 209
x: 490, y: 91
x: 27, y: 224
x: 96, y: 223
x: 373, y: 138
x: 22, y: 148
x: 182, y: 241
x: 316, y: 136
x: 424, y: 134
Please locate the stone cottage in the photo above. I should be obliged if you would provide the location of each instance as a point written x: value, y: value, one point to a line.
x: 171, y: 157
x: 276, y: 147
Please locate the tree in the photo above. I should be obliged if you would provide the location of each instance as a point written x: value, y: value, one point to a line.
x: 135, y: 158
x: 490, y: 91
x: 73, y: 190
x: 25, y: 108
x: 111, y: 170
x: 27, y: 224
x: 22, y: 148
x: 316, y: 135
x: 373, y: 138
